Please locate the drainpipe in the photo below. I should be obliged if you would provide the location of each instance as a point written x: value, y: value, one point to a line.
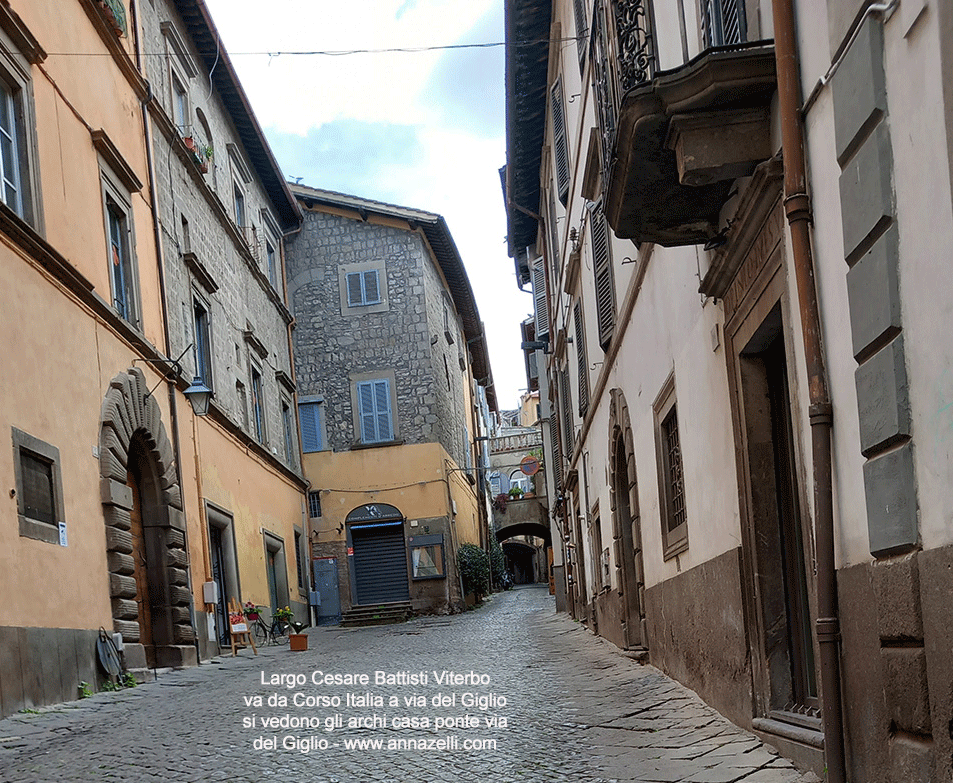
x: 797, y: 208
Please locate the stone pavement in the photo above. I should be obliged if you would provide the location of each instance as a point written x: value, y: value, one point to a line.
x: 575, y: 709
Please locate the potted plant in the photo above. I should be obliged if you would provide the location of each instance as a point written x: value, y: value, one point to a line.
x: 499, y: 502
x: 251, y: 611
x: 115, y: 13
x: 284, y: 615
x: 516, y: 493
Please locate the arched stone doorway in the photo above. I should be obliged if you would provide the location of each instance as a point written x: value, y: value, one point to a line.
x: 145, y: 528
x: 626, y: 524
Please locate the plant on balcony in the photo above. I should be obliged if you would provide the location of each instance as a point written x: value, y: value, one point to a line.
x: 115, y: 12
x: 516, y: 493
x: 499, y: 502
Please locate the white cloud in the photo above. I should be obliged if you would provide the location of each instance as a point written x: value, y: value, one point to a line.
x: 447, y: 141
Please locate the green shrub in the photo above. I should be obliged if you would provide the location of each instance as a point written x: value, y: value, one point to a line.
x: 474, y: 568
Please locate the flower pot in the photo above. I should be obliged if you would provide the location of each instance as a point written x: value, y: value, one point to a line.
x: 298, y: 642
x: 251, y: 615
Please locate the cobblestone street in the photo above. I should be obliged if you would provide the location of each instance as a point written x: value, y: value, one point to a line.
x: 576, y: 709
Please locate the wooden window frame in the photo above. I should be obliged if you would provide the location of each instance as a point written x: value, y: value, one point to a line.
x: 562, y: 166
x: 18, y: 51
x: 113, y: 193
x: 202, y: 360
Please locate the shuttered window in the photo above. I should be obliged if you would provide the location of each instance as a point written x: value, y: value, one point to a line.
x: 311, y: 435
x: 723, y: 22
x: 373, y: 398
x: 363, y: 288
x: 602, y: 266
x: 553, y: 232
x: 539, y: 299
x: 582, y: 32
x: 557, y: 452
x: 582, y: 360
x: 566, y: 400
x: 36, y: 475
x: 560, y: 144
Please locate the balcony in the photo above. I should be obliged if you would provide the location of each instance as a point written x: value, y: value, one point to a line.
x: 673, y: 141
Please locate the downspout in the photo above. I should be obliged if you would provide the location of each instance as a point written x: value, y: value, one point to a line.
x: 160, y: 263
x: 797, y: 208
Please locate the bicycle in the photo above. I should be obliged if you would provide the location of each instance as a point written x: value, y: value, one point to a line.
x: 274, y: 633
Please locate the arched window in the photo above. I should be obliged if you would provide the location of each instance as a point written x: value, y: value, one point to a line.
x: 205, y: 143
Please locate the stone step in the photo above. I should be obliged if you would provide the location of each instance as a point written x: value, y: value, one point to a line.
x: 378, y: 614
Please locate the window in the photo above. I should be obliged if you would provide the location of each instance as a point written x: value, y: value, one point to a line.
x: 18, y: 173
x: 426, y: 557
x: 299, y: 560
x: 723, y: 22
x: 314, y: 504
x: 311, y: 415
x: 582, y: 32
x: 520, y: 480
x: 582, y: 362
x: 602, y: 271
x: 374, y: 410
x: 257, y: 405
x: 363, y: 288
x: 10, y: 149
x: 180, y: 105
x: 671, y: 473
x: 287, y: 426
x: 39, y: 490
x: 242, y: 397
x: 238, y: 202
x: 560, y: 143
x: 203, y: 342
x: 271, y: 259
x: 122, y: 277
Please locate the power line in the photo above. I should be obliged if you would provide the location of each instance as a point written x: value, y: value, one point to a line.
x: 345, y: 52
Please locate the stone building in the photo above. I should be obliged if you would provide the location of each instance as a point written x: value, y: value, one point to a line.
x: 390, y: 358
x: 733, y: 215
x: 223, y: 209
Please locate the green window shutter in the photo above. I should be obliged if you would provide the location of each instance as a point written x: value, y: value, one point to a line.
x: 560, y: 144
x: 582, y: 361
x: 310, y: 415
x: 602, y: 265
x: 539, y: 299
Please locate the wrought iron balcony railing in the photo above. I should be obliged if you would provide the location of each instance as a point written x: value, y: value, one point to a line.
x: 624, y: 57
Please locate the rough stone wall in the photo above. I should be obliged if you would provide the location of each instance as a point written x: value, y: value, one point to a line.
x: 242, y: 297
x: 446, y: 356
x: 331, y: 345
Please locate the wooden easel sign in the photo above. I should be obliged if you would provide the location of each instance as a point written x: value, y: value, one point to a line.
x: 238, y: 626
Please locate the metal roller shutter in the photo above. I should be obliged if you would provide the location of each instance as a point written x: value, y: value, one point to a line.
x: 380, y: 563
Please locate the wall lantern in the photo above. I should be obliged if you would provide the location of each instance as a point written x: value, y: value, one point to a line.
x: 199, y: 396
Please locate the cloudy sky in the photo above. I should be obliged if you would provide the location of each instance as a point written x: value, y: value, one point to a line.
x: 420, y: 129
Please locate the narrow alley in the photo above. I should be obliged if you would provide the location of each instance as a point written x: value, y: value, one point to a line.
x: 576, y: 709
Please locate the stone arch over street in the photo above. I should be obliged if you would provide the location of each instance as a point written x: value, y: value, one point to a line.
x: 147, y: 555
x: 523, y: 528
x: 626, y: 523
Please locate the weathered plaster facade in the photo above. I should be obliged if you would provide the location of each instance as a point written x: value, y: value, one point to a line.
x: 411, y: 332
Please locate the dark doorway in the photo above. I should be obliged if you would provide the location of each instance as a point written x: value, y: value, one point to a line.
x: 780, y: 542
x: 628, y: 545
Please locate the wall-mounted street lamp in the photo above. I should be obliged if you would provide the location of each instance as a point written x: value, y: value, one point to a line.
x: 198, y: 394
